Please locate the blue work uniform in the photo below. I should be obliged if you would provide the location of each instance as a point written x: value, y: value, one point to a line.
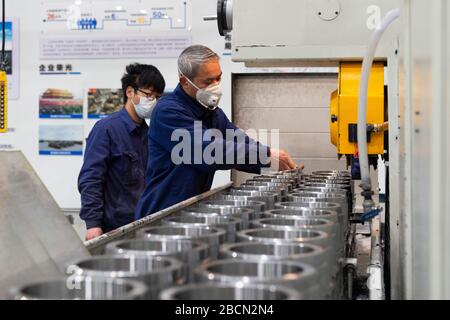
x: 112, y: 178
x: 168, y: 183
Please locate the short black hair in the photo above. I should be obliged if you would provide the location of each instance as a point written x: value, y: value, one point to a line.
x: 142, y: 76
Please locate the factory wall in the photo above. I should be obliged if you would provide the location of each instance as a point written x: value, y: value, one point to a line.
x: 298, y: 105
x: 59, y: 173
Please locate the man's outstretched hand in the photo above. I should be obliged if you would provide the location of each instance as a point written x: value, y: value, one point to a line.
x: 282, y: 161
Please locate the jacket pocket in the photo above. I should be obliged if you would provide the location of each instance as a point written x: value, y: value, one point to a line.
x: 130, y: 168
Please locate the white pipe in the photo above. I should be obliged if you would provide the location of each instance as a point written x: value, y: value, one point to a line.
x: 362, y: 98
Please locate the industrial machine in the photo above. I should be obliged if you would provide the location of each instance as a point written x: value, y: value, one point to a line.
x: 412, y: 56
x: 344, y: 110
x: 336, y: 33
x: 397, y: 107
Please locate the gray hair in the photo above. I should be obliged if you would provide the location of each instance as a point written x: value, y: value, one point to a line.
x: 192, y: 58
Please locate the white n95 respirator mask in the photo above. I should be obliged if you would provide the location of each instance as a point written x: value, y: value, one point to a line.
x: 208, y: 97
x: 145, y: 107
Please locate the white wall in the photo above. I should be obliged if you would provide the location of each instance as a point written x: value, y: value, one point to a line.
x: 59, y: 173
x: 295, y: 104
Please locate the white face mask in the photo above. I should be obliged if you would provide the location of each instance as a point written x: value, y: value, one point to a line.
x: 145, y: 107
x: 208, y: 97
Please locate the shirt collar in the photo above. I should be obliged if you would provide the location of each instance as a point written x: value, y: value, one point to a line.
x: 129, y: 123
x: 198, y: 110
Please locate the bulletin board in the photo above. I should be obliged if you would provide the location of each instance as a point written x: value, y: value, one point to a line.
x: 72, y: 55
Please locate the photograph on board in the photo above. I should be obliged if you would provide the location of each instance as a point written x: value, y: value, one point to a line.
x: 8, y: 46
x: 12, y: 56
x: 60, y: 104
x: 61, y: 140
x: 102, y: 102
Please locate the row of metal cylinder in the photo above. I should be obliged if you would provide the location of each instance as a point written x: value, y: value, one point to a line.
x: 277, y: 236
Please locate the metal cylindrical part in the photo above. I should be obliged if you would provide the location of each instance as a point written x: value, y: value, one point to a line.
x: 209, y: 235
x: 330, y: 228
x: 235, y: 212
x: 302, y: 213
x: 319, y: 189
x: 306, y: 223
x: 296, y: 275
x: 332, y: 175
x: 230, y: 291
x: 229, y: 224
x: 346, y: 183
x: 317, y: 203
x: 190, y: 252
x: 285, y: 176
x: 269, y: 198
x: 344, y: 192
x: 286, y: 181
x: 278, y: 185
x: 324, y: 184
x: 324, y: 197
x: 329, y: 180
x: 310, y: 202
x: 281, y: 192
x: 344, y: 174
x: 156, y: 272
x: 313, y: 203
x: 292, y: 235
x: 316, y: 256
x: 288, y: 176
x: 275, y: 195
x: 294, y: 172
x: 81, y: 288
x: 303, y: 252
x: 257, y: 206
x: 310, y: 213
x: 338, y: 173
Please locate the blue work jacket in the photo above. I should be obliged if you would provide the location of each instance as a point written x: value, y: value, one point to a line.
x: 168, y: 182
x: 112, y: 178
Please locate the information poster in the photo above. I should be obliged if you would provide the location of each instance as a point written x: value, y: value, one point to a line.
x: 61, y: 140
x: 131, y: 29
x: 102, y: 102
x: 60, y: 104
x: 12, y: 56
x: 112, y: 16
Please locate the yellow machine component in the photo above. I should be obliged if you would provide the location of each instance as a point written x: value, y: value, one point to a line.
x: 344, y: 108
x: 3, y: 102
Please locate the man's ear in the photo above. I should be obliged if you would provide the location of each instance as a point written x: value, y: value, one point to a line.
x: 183, y: 81
x: 130, y: 92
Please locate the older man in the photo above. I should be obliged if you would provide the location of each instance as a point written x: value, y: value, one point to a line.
x: 175, y: 174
